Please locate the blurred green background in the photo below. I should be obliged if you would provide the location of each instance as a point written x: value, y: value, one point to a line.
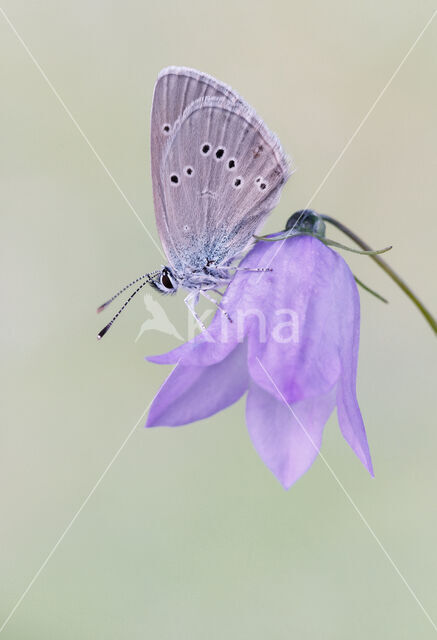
x: 189, y: 535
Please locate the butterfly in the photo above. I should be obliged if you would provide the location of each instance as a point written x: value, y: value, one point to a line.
x: 217, y: 172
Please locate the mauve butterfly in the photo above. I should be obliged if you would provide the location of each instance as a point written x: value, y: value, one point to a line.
x: 217, y: 172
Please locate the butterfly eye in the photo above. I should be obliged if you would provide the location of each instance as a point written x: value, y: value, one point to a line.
x: 165, y: 279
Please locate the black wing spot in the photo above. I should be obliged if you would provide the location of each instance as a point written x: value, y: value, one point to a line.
x: 237, y: 182
x: 206, y: 148
x: 189, y: 171
x: 174, y: 178
x: 166, y: 128
x: 262, y: 185
x: 219, y: 153
x: 231, y: 164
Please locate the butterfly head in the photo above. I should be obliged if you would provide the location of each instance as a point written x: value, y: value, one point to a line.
x: 166, y: 281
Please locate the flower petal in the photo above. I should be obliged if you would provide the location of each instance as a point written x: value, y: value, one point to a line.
x: 349, y: 415
x: 287, y: 438
x: 209, y: 347
x: 191, y: 393
x: 296, y: 332
x: 199, y: 352
x: 173, y: 356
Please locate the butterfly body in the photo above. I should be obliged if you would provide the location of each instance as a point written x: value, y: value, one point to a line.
x: 209, y: 277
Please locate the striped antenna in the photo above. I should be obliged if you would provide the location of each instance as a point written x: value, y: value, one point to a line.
x: 146, y: 275
x: 109, y: 325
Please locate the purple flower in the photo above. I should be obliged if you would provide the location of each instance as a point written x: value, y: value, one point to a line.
x: 292, y: 345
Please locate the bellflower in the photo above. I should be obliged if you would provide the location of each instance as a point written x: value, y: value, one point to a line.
x: 292, y: 346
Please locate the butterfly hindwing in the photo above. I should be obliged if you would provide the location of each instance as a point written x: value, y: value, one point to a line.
x: 221, y: 175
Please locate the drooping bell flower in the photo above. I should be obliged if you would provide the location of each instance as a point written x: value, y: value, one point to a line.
x: 292, y: 346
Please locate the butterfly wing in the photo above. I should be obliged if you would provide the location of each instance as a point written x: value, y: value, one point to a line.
x: 221, y: 174
x: 175, y: 89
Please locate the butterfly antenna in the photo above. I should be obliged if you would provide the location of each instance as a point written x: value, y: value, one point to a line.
x: 146, y: 275
x: 109, y: 325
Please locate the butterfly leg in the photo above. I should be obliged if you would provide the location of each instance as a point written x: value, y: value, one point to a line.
x: 217, y: 304
x: 190, y: 300
x: 256, y: 269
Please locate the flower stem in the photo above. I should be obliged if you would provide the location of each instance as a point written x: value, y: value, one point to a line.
x: 383, y: 264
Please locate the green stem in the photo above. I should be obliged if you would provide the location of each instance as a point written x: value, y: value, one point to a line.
x: 386, y: 267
